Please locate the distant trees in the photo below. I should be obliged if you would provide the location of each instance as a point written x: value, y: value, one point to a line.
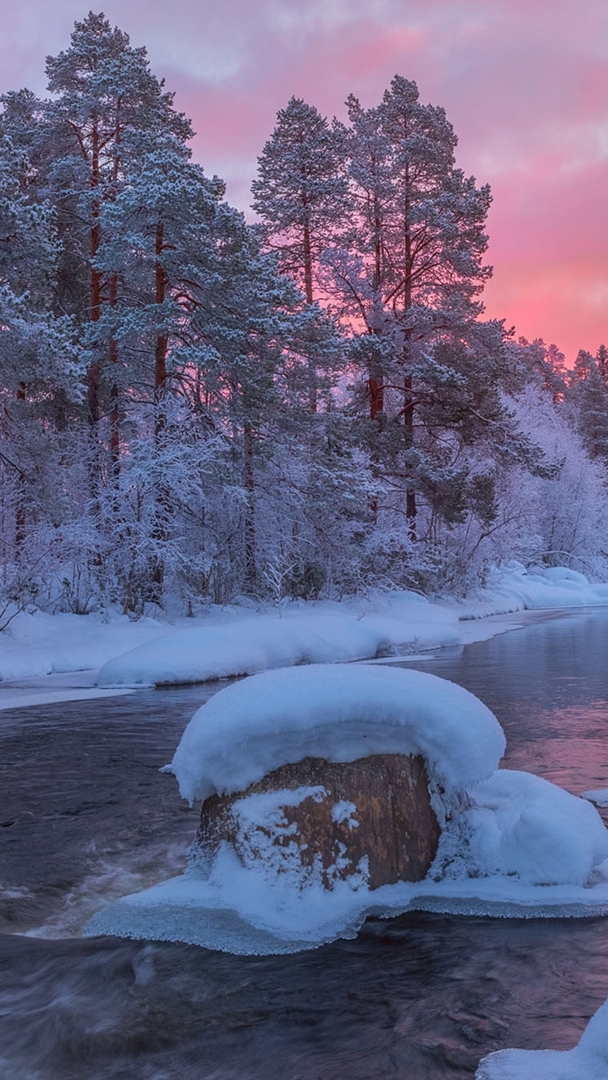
x: 193, y: 408
x: 588, y: 395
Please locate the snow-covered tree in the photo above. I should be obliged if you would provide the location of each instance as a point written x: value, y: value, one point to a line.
x: 588, y: 397
x: 408, y: 270
x: 300, y: 191
x: 104, y: 91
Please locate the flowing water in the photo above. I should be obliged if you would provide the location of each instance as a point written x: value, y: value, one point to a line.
x: 85, y: 816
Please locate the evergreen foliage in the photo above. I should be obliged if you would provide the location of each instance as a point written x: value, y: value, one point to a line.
x: 193, y: 408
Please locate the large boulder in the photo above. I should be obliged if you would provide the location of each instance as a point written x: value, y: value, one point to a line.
x: 370, y: 818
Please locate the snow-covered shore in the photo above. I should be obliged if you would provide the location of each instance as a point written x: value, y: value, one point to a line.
x: 247, y: 639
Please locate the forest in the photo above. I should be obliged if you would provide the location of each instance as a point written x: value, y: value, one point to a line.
x: 196, y: 409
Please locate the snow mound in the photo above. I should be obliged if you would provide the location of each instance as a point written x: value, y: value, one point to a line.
x: 243, y: 648
x: 340, y: 714
x: 522, y: 828
x: 588, y: 1060
x: 523, y: 825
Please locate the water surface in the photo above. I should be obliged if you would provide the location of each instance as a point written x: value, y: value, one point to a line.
x: 86, y: 816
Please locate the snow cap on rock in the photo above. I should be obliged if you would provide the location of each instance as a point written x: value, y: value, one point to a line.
x: 340, y: 713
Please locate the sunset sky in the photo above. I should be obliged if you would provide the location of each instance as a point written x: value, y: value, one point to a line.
x: 525, y: 85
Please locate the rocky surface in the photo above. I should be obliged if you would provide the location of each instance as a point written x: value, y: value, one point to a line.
x: 326, y: 817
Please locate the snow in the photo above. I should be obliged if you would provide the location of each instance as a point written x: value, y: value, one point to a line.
x: 244, y: 647
x: 20, y: 699
x: 40, y: 644
x: 237, y: 640
x: 521, y: 826
x: 512, y: 844
x: 588, y: 1060
x: 394, y: 623
x: 339, y: 713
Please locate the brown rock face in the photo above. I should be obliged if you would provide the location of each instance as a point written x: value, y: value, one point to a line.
x: 375, y: 809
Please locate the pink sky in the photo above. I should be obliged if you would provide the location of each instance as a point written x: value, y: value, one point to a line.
x: 524, y: 84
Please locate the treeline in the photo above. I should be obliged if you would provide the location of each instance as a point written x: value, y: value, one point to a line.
x: 195, y: 409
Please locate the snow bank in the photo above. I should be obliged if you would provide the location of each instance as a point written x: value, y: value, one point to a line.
x: 232, y: 641
x: 244, y: 647
x: 512, y: 844
x: 39, y: 644
x: 588, y: 1060
x: 338, y: 713
x: 513, y: 588
x: 397, y: 623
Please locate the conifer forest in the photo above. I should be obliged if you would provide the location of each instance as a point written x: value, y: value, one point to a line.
x: 197, y: 408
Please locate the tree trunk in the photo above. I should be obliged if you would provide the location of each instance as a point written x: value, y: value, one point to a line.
x: 249, y: 531
x: 93, y: 374
x: 163, y: 507
x: 114, y: 397
x: 309, y: 300
x: 20, y: 508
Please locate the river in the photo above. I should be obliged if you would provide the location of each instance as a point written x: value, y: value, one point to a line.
x: 85, y: 816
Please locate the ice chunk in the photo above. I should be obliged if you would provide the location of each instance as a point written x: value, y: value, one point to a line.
x: 599, y: 796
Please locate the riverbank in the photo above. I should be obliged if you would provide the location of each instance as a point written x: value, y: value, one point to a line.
x: 58, y: 657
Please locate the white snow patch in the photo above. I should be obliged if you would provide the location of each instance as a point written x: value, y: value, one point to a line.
x: 343, y: 813
x: 40, y: 644
x: 338, y: 713
x: 588, y: 1060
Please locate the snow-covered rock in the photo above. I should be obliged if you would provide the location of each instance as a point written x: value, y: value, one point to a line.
x: 369, y: 820
x: 511, y: 844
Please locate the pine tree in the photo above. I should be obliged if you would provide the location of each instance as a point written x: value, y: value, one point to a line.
x: 300, y: 190
x: 299, y: 196
x: 104, y: 91
x: 409, y: 271
x: 589, y: 397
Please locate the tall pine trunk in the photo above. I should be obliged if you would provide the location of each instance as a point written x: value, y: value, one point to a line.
x: 249, y: 530
x: 163, y: 505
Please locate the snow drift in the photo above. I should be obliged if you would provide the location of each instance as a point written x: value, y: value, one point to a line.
x: 387, y: 624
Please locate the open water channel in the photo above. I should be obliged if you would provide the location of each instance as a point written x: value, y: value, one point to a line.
x: 85, y: 816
